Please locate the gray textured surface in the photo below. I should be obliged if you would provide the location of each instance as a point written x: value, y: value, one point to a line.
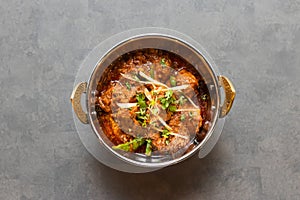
x: 257, y: 43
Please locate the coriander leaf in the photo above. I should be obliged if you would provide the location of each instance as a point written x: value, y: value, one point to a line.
x: 124, y: 147
x: 141, y: 100
x: 172, y: 100
x: 140, y: 97
x: 182, y: 117
x: 182, y: 100
x: 143, y: 104
x: 128, y: 85
x: 142, y: 115
x: 148, y: 147
x: 163, y: 62
x: 162, y: 100
x: 172, y: 108
x: 135, y: 143
x: 167, y: 104
x: 173, y: 81
x: 168, y: 100
x: 142, y: 111
x: 165, y: 133
x: 168, y: 94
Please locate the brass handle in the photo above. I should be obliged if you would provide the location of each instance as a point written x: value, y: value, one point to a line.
x: 76, y: 101
x: 229, y: 95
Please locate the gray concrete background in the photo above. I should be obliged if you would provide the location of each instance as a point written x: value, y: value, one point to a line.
x: 257, y: 45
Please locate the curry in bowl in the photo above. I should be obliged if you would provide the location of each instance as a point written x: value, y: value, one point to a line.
x: 153, y: 98
x: 153, y: 102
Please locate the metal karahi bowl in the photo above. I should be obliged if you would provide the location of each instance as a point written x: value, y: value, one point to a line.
x: 170, y: 41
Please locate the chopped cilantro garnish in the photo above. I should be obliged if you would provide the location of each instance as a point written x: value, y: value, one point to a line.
x: 173, y: 81
x: 131, y: 145
x: 182, y: 100
x: 164, y: 103
x: 169, y: 93
x: 182, y: 117
x: 142, y: 115
x: 167, y: 100
x: 165, y: 133
x: 135, y: 144
x: 163, y: 62
x: 141, y: 100
x: 172, y: 108
x: 148, y: 147
x: 128, y: 85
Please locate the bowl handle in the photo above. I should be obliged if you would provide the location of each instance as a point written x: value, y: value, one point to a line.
x: 229, y: 95
x: 76, y: 101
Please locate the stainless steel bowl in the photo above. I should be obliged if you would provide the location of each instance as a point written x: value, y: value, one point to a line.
x: 171, y: 41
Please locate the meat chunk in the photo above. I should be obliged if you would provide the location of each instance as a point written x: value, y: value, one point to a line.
x: 174, y: 143
x: 186, y: 77
x: 127, y: 123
